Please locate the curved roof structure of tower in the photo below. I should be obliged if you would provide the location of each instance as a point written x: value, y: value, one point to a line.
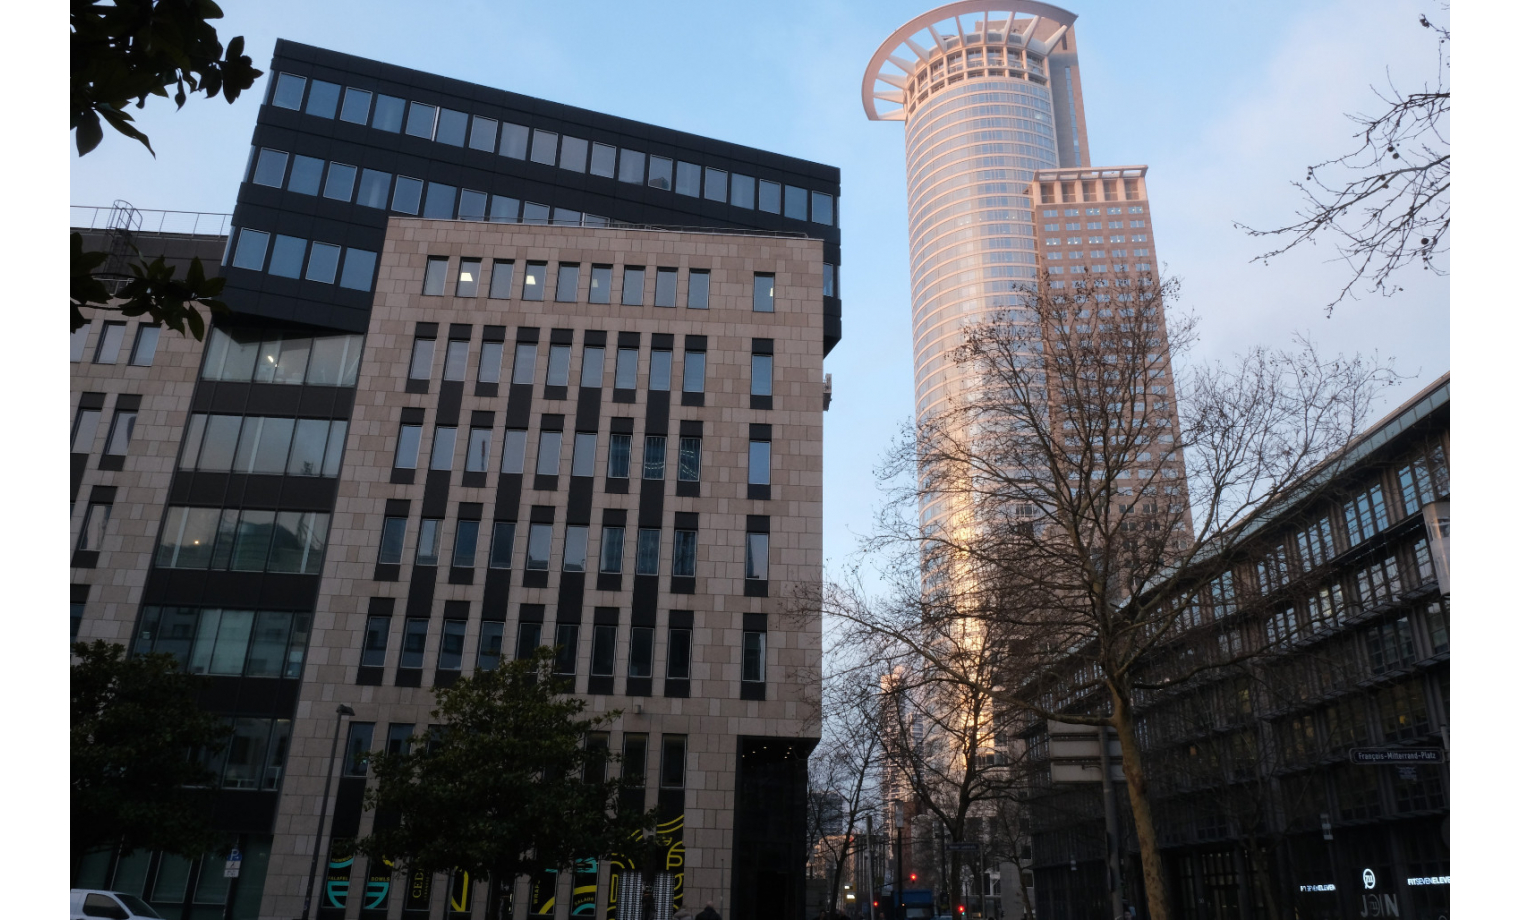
x: 989, y: 93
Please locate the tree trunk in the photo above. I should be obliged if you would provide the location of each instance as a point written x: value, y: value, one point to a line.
x: 1140, y: 806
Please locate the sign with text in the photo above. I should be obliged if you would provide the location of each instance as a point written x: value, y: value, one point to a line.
x: 1397, y: 756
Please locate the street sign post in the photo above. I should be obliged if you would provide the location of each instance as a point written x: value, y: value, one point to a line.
x: 234, y: 865
x: 964, y: 847
x: 1397, y: 757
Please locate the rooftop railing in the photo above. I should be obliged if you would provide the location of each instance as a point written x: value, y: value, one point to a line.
x: 121, y: 216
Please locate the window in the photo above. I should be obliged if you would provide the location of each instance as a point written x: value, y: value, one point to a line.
x: 398, y: 738
x: 502, y: 538
x: 529, y: 636
x: 619, y: 451
x: 355, y: 106
x: 741, y: 191
x: 625, y: 375
x: 504, y: 210
x: 759, y: 463
x: 678, y: 655
x: 451, y: 127
x: 121, y: 433
x: 753, y: 665
x: 633, y: 287
x: 603, y: 160
x: 420, y: 119
x: 697, y: 283
x: 693, y: 371
x: 251, y: 245
x: 439, y: 202
x: 442, y: 457
x: 583, y: 454
x: 77, y: 340
x: 575, y: 548
x: 305, y: 175
x: 340, y: 182
x: 765, y: 293
x: 288, y: 91
x: 688, y: 179
x: 413, y: 643
x: 770, y: 196
x: 665, y: 287
x: 501, y: 279
x: 545, y: 146
x: 603, y: 649
x: 451, y: 646
x: 427, y: 541
x: 322, y: 102
x: 488, y: 654
x: 388, y: 113
x: 597, y: 756
x: 823, y: 208
x: 288, y: 256
x: 672, y: 761
x: 684, y: 561
x: 92, y: 533
x: 468, y: 283
x: 514, y: 141
x: 549, y: 444
x: 757, y: 548
x: 641, y: 651
x: 358, y: 269
x: 85, y: 425
x: 377, y: 633
x: 392, y: 538
x: 523, y: 361
x: 466, y: 537
x: 455, y: 356
x: 647, y: 559
x: 630, y: 166
x: 533, y: 281
x: 361, y: 737
x: 572, y: 154
x: 478, y: 452
x: 612, y: 550
x: 796, y: 203
x: 408, y: 443
x: 760, y: 375
x: 538, y: 546
x: 659, y: 369
x: 635, y: 758
x: 243, y: 541
x: 567, y: 642
x: 566, y: 283
x: 689, y: 462
x: 270, y: 170
x: 592, y: 358
x: 421, y: 367
x: 601, y: 284
x: 1366, y: 515
x: 408, y: 196
x: 659, y: 172
x: 513, y: 448
x: 654, y: 456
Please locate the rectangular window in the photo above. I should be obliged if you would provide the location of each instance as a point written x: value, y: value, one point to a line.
x: 603, y: 649
x: 660, y: 172
x: 559, y: 366
x: 545, y: 146
x: 388, y: 113
x: 427, y: 541
x: 715, y: 185
x: 601, y: 284
x: 823, y: 208
x: 93, y: 532
x: 86, y: 423
x: 572, y: 154
x: 442, y: 457
x: 270, y: 170
x: 77, y: 340
x: 665, y: 287
x: 757, y: 550
x: 456, y: 355
x: 770, y: 196
x: 696, y: 289
x: 251, y: 246
x: 340, y: 182
x: 468, y: 282
x: 796, y: 203
x: 438, y: 204
x: 684, y: 560
x: 689, y: 460
x: 420, y: 119
x: 322, y: 101
x: 567, y: 282
x: 503, y: 534
x: 592, y: 359
x: 305, y: 175
x: 619, y: 451
x: 576, y: 536
x: 641, y: 651
x: 659, y: 369
x: 765, y: 293
x: 466, y: 538
x: 549, y: 444
x: 488, y: 653
x: 355, y: 106
x: 603, y: 160
x: 597, y: 757
x: 451, y: 127
x: 759, y: 463
x: 514, y: 141
x: 435, y: 276
x: 612, y: 551
x: 288, y: 91
x: 567, y: 644
x: 633, y: 287
x: 688, y: 179
x: 760, y: 375
x: 514, y: 447
x: 536, y: 214
x: 529, y: 637
x: 504, y: 210
x: 533, y: 281
x: 413, y: 643
x: 523, y: 363
x: 374, y: 188
x: 678, y: 655
x: 408, y: 196
x: 753, y: 667
x: 501, y: 279
x: 478, y: 452
x: 377, y: 634
x: 358, y: 269
x: 539, y: 536
x: 673, y: 761
x: 451, y: 646
x: 830, y: 280
x: 583, y: 455
x: 647, y: 558
x: 398, y: 738
x: 1367, y: 514
x: 361, y: 737
x: 121, y: 433
x: 741, y: 191
x: 392, y: 539
x: 654, y: 456
x: 694, y: 371
x: 625, y: 376
x: 630, y: 166
x: 635, y: 758
x: 408, y: 443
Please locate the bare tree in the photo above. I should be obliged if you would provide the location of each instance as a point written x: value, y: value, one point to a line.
x: 842, y: 771
x: 1385, y: 204
x: 1048, y: 512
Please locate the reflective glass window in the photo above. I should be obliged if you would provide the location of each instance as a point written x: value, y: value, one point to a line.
x: 535, y: 213
x: 145, y: 346
x: 625, y: 374
x: 592, y: 358
x: 572, y: 154
x: 501, y: 279
x: 660, y: 172
x: 770, y: 196
x: 741, y: 191
x: 388, y: 113
x: 696, y: 289
x: 374, y: 188
x: 466, y: 537
x: 468, y: 283
x: 633, y: 287
x: 358, y: 269
x: 451, y: 127
x: 514, y: 141
x: 545, y: 146
x: 796, y: 203
x: 539, y: 536
x: 654, y: 456
x: 322, y: 100
x: 420, y: 119
x: 251, y: 246
x: 603, y: 160
x: 533, y: 281
x: 504, y: 210
x: 490, y: 362
x: 503, y: 534
x: 647, y: 555
x: 619, y: 451
x: 408, y: 443
x: 355, y: 106
x: 549, y: 449
x: 270, y: 170
x: 688, y: 179
x: 566, y: 283
x: 483, y: 134
x: 715, y: 184
x: 665, y: 287
x: 583, y: 454
x: 575, y: 548
x: 444, y: 437
x: 323, y: 264
x: 823, y: 208
x: 659, y: 369
x: 455, y: 357
x: 305, y: 175
x: 694, y: 372
x: 478, y: 451
x: 288, y: 91
x: 472, y: 205
x: 523, y: 361
x: 408, y: 197
x: 765, y: 292
x: 760, y: 375
x: 601, y: 284
x: 427, y: 541
x: 439, y: 203
x: 612, y: 550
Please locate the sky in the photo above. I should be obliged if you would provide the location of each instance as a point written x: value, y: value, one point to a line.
x: 1227, y: 103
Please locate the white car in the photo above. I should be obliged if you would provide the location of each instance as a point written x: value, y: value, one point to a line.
x: 115, y: 905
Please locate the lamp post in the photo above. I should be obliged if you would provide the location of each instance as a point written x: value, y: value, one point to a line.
x: 316, y: 850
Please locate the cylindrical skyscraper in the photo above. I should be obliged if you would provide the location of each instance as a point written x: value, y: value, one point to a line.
x: 990, y: 94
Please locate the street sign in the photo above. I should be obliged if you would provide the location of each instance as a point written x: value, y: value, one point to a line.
x: 1397, y: 756
x: 234, y: 865
x: 964, y: 847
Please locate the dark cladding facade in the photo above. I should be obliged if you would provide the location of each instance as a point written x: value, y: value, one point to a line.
x: 233, y: 562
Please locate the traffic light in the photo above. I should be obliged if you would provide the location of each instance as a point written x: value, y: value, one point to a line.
x: 912, y: 876
x: 963, y: 908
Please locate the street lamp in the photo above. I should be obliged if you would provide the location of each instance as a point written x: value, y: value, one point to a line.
x: 316, y: 851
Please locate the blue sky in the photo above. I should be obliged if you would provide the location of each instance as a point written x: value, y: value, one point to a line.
x: 1226, y: 102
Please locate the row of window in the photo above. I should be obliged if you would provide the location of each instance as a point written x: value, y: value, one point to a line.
x: 112, y: 336
x: 118, y: 437
x: 1097, y: 254
x: 1093, y: 240
x: 231, y: 643
x: 566, y: 637
x: 295, y: 257
x: 1093, y: 225
x: 1091, y: 212
x: 243, y: 540
x: 575, y: 545
x: 255, y: 356
x: 574, y: 154
x: 263, y: 444
x: 625, y: 373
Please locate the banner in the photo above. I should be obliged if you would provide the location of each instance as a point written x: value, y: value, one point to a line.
x: 419, y: 893
x: 459, y: 894
x: 377, y: 889
x: 583, y: 889
x: 545, y: 887
x: 333, y: 903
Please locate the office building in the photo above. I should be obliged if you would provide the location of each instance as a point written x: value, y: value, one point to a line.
x: 466, y: 323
